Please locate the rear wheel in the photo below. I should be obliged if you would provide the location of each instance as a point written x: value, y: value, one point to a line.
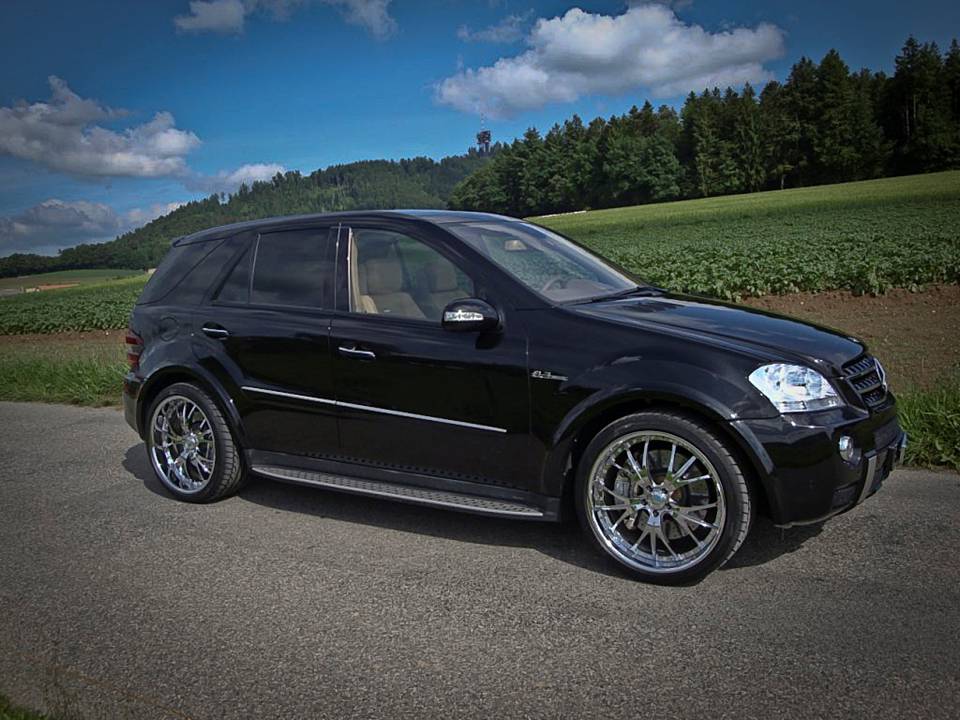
x: 662, y: 495
x: 190, y: 445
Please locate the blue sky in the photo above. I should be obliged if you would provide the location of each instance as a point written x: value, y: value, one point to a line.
x: 160, y: 102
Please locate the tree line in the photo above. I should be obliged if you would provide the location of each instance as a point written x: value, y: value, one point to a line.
x: 824, y: 124
x: 372, y: 184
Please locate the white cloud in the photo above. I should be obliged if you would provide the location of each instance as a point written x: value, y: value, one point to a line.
x: 509, y: 30
x: 62, y: 135
x: 56, y: 224
x: 228, y: 16
x: 219, y: 16
x: 374, y: 15
x: 228, y: 182
x: 583, y: 53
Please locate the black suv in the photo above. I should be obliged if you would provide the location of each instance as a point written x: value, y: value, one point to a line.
x: 485, y: 364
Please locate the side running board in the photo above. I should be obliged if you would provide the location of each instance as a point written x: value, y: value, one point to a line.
x: 404, y: 493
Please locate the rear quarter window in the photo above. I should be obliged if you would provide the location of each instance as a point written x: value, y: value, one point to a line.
x: 187, y: 272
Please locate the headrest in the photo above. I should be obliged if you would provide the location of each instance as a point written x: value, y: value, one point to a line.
x: 442, y: 276
x: 383, y: 276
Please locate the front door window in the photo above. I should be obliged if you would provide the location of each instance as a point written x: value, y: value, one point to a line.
x: 397, y: 276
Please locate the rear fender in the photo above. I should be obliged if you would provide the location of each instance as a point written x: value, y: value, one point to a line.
x: 169, y: 374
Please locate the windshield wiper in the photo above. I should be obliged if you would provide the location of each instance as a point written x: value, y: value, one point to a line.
x: 638, y: 291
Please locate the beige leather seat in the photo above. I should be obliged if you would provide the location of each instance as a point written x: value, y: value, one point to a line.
x: 364, y: 303
x: 381, y: 281
x: 443, y: 285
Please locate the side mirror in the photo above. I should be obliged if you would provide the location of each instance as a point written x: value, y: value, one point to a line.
x: 470, y: 315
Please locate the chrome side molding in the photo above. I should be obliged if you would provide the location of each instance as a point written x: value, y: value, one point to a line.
x: 371, y: 408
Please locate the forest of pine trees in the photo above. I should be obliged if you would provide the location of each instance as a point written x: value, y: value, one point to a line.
x: 824, y: 124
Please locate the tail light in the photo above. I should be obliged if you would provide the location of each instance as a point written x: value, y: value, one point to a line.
x: 134, y: 348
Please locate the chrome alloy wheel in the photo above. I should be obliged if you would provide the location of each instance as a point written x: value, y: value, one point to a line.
x: 655, y: 502
x: 182, y: 446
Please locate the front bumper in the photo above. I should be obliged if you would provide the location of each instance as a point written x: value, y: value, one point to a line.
x: 805, y: 479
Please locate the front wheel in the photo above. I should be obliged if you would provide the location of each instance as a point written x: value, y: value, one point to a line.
x: 663, y: 495
x: 190, y: 445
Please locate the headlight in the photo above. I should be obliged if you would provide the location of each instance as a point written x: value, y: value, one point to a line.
x: 794, y: 388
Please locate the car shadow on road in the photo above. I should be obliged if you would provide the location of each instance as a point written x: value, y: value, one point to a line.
x: 767, y: 542
x: 562, y: 541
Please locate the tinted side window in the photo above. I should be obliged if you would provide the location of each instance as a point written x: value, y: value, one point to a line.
x: 394, y: 274
x: 179, y: 261
x: 236, y: 288
x: 294, y: 268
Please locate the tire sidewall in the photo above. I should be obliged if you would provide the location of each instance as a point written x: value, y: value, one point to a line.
x: 222, y: 438
x: 735, y: 493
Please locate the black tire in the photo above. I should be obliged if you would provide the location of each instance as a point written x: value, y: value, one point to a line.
x: 229, y: 473
x: 739, y: 505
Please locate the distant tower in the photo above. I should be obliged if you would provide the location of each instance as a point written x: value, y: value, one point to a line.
x: 483, y: 138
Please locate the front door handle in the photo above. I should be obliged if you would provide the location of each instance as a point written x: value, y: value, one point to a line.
x: 215, y: 331
x: 357, y: 352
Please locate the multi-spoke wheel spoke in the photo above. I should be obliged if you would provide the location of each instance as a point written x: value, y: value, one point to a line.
x: 182, y: 444
x: 656, y: 501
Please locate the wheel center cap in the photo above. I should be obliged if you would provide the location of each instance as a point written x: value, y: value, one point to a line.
x: 658, y: 497
x: 190, y: 443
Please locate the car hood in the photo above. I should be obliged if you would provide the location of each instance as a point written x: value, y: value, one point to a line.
x: 760, y: 333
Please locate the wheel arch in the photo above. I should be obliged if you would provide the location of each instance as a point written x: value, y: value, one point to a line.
x: 172, y: 374
x: 581, y: 429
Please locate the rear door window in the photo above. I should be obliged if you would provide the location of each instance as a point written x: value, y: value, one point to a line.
x: 236, y: 288
x: 294, y: 268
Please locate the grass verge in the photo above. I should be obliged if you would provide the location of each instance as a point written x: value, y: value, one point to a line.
x: 77, y: 371
x: 9, y: 711
x: 932, y: 420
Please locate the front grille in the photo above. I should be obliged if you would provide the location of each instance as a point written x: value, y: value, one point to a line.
x: 865, y: 377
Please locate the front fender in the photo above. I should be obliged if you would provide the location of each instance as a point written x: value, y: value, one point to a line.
x: 629, y: 386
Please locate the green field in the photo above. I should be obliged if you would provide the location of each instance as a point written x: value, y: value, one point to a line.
x: 866, y: 237
x: 67, y: 276
x: 95, y: 306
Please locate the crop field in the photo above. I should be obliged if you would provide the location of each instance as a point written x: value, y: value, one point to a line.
x: 865, y: 237
x: 83, y: 277
x: 96, y: 306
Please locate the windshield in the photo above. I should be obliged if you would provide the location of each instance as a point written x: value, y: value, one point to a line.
x: 545, y: 262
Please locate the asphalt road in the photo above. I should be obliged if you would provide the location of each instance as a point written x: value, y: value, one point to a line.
x: 117, y: 601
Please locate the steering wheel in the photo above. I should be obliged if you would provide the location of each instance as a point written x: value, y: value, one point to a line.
x: 553, y: 280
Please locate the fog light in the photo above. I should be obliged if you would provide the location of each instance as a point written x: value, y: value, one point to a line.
x: 847, y: 449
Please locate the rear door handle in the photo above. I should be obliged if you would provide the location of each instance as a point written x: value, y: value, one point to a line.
x: 215, y: 331
x: 357, y: 352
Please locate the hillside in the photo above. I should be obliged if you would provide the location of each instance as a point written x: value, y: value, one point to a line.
x: 374, y: 184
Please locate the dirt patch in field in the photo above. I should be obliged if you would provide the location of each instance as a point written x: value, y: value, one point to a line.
x: 916, y: 335
x: 100, y: 337
x: 101, y: 345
